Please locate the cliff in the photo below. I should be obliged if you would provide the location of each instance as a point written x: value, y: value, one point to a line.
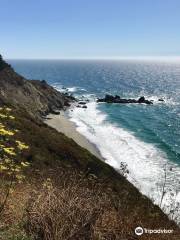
x: 63, y: 192
x: 36, y: 97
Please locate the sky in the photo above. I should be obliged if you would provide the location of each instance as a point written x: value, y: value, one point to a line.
x: 56, y: 29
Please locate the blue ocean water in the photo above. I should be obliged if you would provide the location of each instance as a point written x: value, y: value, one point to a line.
x: 146, y: 138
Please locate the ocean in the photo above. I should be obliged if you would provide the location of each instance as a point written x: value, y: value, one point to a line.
x: 145, y: 138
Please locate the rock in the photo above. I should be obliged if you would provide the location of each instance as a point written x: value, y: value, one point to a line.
x: 161, y: 100
x: 141, y: 99
x: 67, y: 104
x: 109, y: 98
x: 72, y: 97
x: 83, y: 103
x: 56, y: 112
x: 118, y: 99
x: 43, y: 82
x: 84, y: 106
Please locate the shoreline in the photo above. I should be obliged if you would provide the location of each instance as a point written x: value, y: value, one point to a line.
x: 62, y: 124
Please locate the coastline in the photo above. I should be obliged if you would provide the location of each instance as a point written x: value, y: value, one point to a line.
x: 65, y: 179
x: 62, y: 124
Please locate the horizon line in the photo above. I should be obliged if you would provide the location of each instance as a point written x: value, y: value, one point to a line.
x: 163, y: 58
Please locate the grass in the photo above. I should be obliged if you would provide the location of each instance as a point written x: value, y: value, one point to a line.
x: 68, y: 193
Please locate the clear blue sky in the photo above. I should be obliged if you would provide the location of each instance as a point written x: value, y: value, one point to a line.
x: 89, y: 28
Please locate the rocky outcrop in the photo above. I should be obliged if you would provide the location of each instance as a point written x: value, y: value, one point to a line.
x: 36, y: 97
x: 82, y: 103
x: 3, y: 64
x: 118, y: 99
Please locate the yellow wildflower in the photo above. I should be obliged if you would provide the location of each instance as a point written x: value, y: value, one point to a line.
x: 7, y: 160
x: 2, y: 115
x: 2, y: 167
x: 4, y: 132
x: 8, y: 109
x: 21, y: 145
x: 17, y: 169
x: 25, y: 164
x: 11, y: 117
x: 19, y: 177
x: 10, y: 151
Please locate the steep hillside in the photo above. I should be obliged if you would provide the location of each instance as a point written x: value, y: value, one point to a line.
x: 36, y: 97
x: 60, y: 191
x: 3, y: 64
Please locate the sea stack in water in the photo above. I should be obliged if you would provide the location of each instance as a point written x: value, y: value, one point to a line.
x: 118, y: 99
x: 82, y: 104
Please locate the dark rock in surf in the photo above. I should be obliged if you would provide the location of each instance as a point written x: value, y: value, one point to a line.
x: 161, y: 100
x: 118, y: 99
x: 143, y: 100
x: 82, y: 103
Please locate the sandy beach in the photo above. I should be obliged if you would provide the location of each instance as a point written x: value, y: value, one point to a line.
x: 62, y: 124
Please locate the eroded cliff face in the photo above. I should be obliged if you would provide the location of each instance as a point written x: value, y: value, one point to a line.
x: 36, y: 97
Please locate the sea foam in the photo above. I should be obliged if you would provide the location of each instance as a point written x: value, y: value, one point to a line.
x: 146, y: 163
